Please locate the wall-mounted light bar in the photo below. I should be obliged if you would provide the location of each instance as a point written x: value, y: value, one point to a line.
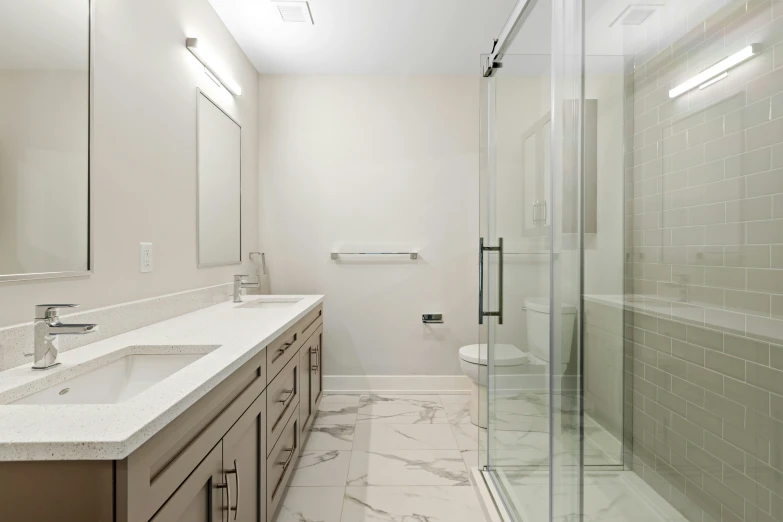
x: 208, y: 62
x: 716, y: 70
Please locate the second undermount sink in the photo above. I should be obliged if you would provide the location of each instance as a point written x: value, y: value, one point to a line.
x: 271, y: 302
x: 115, y: 382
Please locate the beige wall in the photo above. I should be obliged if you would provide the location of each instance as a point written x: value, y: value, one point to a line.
x: 375, y: 162
x: 144, y: 155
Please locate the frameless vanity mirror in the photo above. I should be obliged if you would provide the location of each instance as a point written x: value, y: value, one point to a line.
x: 219, y: 194
x: 44, y: 138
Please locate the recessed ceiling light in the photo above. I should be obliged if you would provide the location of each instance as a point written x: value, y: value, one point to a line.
x: 294, y: 12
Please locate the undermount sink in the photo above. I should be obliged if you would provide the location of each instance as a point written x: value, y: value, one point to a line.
x: 271, y: 302
x: 115, y: 382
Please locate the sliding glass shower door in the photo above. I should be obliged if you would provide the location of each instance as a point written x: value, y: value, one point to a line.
x: 531, y: 447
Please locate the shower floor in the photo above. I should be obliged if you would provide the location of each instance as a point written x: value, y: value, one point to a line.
x: 608, y: 497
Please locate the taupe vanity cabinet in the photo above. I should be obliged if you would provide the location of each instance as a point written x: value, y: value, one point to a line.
x: 228, y: 457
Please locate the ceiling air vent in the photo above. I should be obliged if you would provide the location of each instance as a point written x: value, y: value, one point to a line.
x: 635, y: 14
x: 294, y: 12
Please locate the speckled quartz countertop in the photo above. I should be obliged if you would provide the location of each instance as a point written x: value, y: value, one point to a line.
x: 230, y: 336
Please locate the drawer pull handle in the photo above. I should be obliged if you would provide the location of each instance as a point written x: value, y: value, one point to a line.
x: 224, y: 485
x: 235, y: 509
x: 314, y: 320
x: 288, y: 396
x: 317, y: 359
x: 287, y: 461
x: 282, y: 414
x: 281, y: 351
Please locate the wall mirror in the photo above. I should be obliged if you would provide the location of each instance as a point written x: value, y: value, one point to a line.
x: 44, y: 138
x: 219, y: 186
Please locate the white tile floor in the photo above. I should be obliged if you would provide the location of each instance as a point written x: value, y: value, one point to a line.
x: 406, y: 458
x: 386, y: 458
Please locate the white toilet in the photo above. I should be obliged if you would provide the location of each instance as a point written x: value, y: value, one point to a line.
x: 510, y: 360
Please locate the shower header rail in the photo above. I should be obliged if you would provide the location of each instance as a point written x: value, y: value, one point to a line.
x: 412, y: 255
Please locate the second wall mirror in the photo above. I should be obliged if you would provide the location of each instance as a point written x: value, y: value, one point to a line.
x: 219, y: 186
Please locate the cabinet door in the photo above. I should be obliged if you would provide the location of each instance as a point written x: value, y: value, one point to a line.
x: 243, y: 464
x: 316, y: 375
x: 201, y: 498
x: 305, y: 403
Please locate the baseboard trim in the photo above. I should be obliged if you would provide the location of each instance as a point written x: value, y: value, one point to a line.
x: 397, y: 384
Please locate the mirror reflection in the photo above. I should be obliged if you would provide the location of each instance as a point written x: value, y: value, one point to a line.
x: 44, y: 136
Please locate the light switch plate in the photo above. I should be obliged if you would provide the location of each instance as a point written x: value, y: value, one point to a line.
x: 145, y: 257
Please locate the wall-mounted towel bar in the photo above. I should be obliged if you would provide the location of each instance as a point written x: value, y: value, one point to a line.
x: 413, y: 255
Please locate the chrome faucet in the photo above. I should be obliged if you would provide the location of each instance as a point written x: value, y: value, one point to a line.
x: 239, y: 284
x: 47, y: 328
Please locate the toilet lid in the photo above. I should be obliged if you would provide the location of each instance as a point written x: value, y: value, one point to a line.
x: 503, y: 355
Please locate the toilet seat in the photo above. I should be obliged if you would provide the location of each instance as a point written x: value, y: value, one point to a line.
x: 503, y: 355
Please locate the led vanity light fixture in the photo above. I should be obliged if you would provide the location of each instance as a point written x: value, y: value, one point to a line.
x: 209, y: 65
x: 716, y: 72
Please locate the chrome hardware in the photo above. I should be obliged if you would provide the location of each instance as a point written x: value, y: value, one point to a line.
x: 287, y: 461
x: 235, y: 472
x: 289, y: 392
x: 225, y: 485
x: 239, y: 284
x: 432, y: 318
x: 280, y: 351
x: 317, y: 353
x: 499, y: 250
x: 412, y: 255
x: 539, y: 212
x: 289, y: 400
x: 47, y: 327
x: 263, y: 260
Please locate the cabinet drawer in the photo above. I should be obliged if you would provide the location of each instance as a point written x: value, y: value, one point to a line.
x: 152, y: 473
x: 281, y: 463
x: 282, y: 396
x: 282, y: 349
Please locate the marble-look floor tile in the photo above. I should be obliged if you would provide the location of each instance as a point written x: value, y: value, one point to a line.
x: 467, y: 436
x: 407, y: 468
x: 470, y: 458
x: 457, y: 408
x: 401, y: 409
x: 374, y: 436
x: 312, y: 504
x: 421, y: 504
x: 336, y: 414
x: 330, y: 437
x: 340, y: 399
x: 321, y: 468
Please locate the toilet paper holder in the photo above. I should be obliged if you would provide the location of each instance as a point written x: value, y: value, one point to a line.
x: 432, y: 318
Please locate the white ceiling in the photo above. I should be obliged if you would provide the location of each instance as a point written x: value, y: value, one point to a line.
x: 44, y: 34
x: 368, y: 36
x: 431, y: 36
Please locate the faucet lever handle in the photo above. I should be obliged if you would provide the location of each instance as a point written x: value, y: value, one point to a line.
x: 46, y: 311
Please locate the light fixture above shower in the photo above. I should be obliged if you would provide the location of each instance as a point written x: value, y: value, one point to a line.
x: 715, y: 73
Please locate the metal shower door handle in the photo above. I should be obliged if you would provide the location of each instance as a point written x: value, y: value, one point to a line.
x: 499, y: 249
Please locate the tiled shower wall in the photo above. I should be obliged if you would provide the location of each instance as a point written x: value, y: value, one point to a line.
x: 704, y: 253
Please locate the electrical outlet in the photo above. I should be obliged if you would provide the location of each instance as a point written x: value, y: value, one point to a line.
x: 145, y: 257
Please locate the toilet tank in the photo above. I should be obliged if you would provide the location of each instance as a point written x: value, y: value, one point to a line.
x: 537, y: 319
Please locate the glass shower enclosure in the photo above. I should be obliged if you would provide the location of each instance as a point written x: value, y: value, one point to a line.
x: 631, y: 257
